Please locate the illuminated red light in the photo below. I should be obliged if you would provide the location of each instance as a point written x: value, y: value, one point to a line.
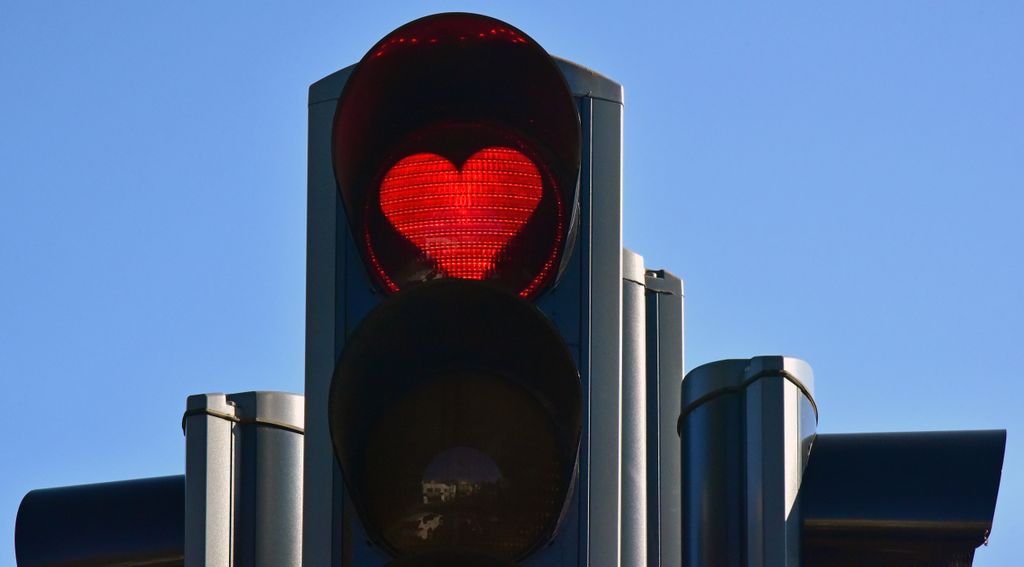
x: 456, y: 148
x: 462, y: 218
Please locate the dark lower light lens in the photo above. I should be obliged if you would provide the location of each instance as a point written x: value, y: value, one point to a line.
x: 455, y: 414
x: 466, y: 461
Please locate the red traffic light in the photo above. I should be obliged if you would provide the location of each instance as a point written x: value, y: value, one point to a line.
x: 455, y: 409
x: 464, y: 218
x: 456, y: 148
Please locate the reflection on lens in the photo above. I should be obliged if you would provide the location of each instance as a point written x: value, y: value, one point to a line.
x: 471, y: 463
x: 460, y: 474
x: 461, y: 490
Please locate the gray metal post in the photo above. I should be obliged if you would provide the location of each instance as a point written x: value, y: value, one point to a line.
x: 243, y: 480
x: 746, y: 428
x: 634, y: 412
x: 664, y: 294
x: 209, y: 423
x: 603, y: 449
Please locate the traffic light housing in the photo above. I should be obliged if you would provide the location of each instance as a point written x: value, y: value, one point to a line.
x: 464, y: 311
x: 894, y: 499
x: 131, y: 522
x: 761, y: 487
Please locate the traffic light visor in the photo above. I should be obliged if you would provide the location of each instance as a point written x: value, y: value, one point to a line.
x: 456, y: 147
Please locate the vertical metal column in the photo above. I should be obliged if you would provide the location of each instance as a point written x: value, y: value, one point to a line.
x: 746, y: 427
x: 209, y: 473
x: 664, y: 295
x: 634, y: 412
x: 602, y: 119
x: 268, y: 490
x: 243, y: 480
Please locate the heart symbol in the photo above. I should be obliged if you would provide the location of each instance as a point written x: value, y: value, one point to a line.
x: 462, y: 218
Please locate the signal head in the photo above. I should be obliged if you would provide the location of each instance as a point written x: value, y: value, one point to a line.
x: 456, y: 147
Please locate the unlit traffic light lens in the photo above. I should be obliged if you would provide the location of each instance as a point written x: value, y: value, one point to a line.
x: 455, y: 414
x: 466, y: 461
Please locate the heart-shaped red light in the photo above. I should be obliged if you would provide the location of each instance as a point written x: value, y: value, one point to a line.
x: 462, y: 219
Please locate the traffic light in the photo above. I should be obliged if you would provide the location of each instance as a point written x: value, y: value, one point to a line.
x: 492, y: 380
x: 760, y: 487
x: 464, y: 305
x: 894, y: 499
x: 130, y: 522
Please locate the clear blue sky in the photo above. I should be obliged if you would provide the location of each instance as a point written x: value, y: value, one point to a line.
x: 839, y: 181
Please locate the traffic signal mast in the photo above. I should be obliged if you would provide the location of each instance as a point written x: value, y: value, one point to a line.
x: 493, y: 380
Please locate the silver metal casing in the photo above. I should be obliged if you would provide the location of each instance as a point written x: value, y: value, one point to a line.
x: 243, y: 480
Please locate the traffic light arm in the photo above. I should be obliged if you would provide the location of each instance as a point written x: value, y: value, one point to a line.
x: 132, y: 522
x: 888, y: 498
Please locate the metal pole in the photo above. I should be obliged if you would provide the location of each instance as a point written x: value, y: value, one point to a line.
x: 243, y: 480
x: 664, y: 295
x: 634, y: 412
x: 268, y: 490
x: 746, y: 427
x: 209, y: 425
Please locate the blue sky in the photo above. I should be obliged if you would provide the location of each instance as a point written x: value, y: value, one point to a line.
x: 838, y: 181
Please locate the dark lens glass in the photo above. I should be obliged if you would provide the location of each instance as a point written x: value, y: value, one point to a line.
x: 467, y: 461
x: 455, y: 415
